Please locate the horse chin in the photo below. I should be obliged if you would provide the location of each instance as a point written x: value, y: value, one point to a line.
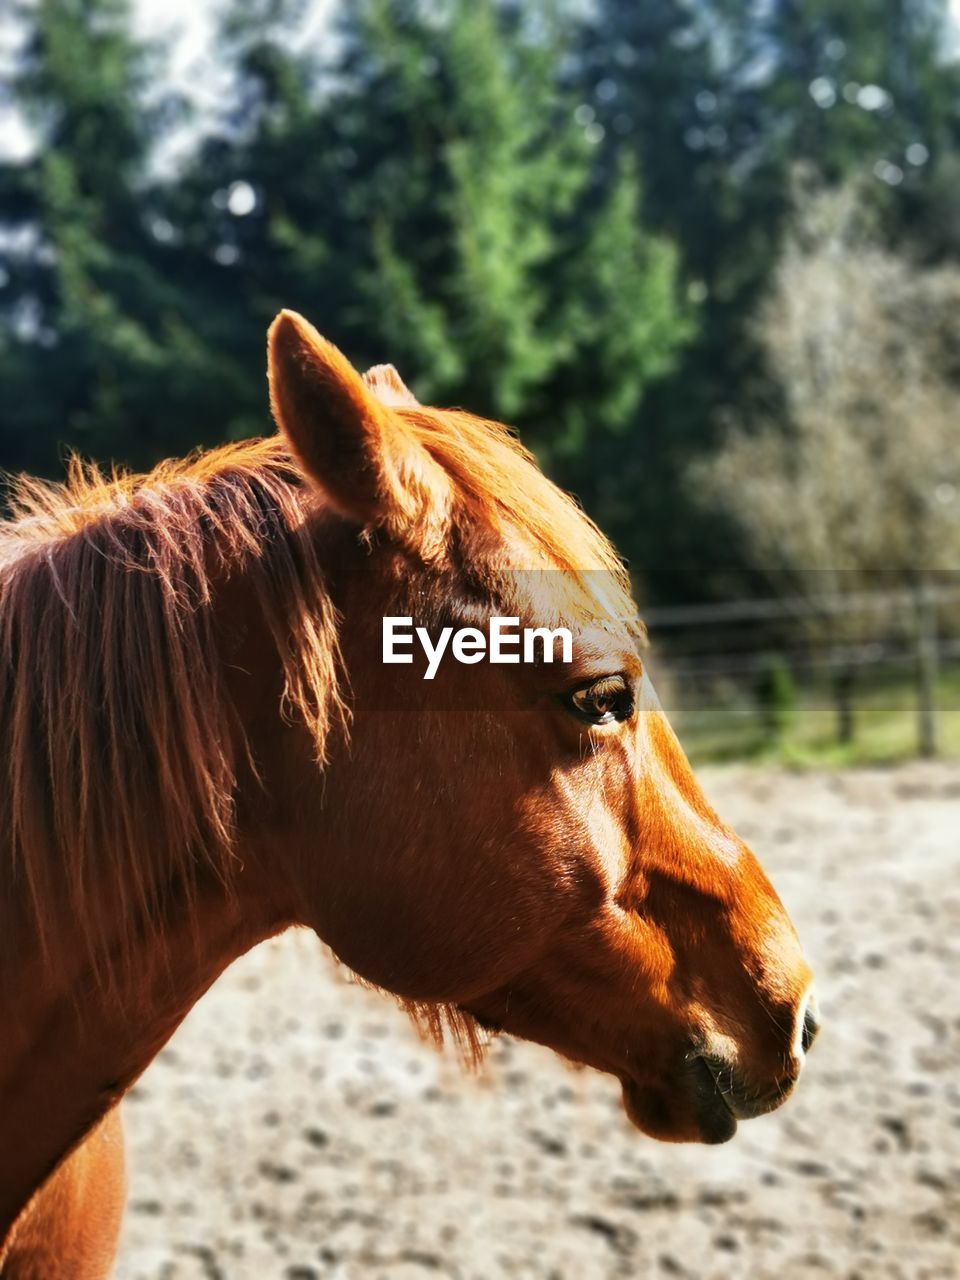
x: 693, y: 1112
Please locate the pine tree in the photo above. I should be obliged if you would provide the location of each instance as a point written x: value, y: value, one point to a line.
x: 84, y: 348
x: 723, y: 100
x: 428, y: 198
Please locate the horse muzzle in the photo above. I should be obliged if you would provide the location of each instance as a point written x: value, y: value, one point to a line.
x: 707, y: 1099
x: 691, y: 1109
x: 717, y: 1082
x: 711, y: 1093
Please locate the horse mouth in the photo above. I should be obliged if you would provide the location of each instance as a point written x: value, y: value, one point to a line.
x: 697, y: 1111
x: 713, y: 1095
x: 739, y: 1099
x: 712, y: 1104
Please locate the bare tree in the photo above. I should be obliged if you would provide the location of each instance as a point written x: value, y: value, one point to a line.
x: 863, y: 475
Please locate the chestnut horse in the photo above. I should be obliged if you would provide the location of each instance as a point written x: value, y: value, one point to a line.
x: 202, y: 746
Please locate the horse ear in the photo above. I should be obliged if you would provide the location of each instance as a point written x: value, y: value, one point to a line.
x: 389, y: 388
x: 349, y: 442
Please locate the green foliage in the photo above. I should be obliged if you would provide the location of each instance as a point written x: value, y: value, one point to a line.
x: 558, y: 214
x: 427, y: 198
x: 776, y: 696
x: 722, y: 102
x: 82, y: 340
x: 447, y: 210
x: 619, y: 326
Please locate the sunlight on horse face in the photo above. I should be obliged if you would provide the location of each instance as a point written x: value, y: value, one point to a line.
x: 526, y: 843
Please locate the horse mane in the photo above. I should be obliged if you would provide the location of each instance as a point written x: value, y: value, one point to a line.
x: 120, y: 746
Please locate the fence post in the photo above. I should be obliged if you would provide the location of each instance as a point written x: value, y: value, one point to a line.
x: 925, y: 632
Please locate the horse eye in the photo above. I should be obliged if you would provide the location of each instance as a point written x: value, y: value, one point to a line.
x: 603, y: 701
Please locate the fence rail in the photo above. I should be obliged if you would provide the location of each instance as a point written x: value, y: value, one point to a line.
x: 734, y: 643
x: 792, y: 607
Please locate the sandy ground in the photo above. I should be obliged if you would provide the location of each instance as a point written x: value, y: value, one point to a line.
x: 295, y: 1126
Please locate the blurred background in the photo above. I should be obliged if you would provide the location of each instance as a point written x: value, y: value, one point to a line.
x: 703, y: 254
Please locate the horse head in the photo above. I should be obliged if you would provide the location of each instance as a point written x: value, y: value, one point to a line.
x: 523, y: 845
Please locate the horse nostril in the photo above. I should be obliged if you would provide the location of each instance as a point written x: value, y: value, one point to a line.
x: 811, y: 1026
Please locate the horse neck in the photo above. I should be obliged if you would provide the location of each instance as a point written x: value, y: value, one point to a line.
x: 72, y: 1046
